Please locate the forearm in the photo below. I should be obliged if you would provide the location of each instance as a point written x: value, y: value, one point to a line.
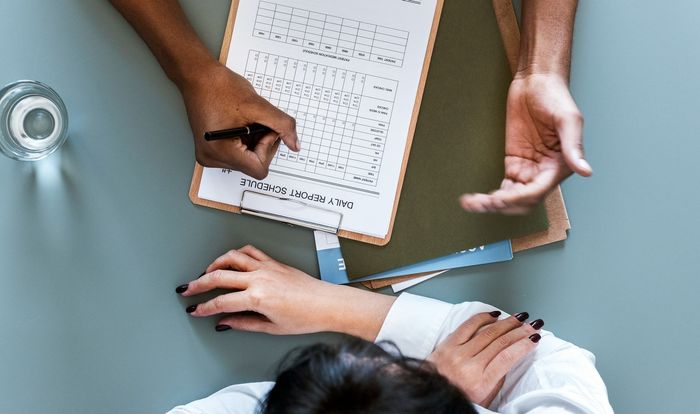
x: 162, y: 24
x: 547, y: 32
x: 356, y: 312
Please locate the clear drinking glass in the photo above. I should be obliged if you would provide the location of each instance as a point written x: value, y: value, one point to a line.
x: 33, y: 121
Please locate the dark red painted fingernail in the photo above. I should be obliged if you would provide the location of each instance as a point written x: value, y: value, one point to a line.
x: 535, y: 338
x: 495, y: 314
x: 203, y: 273
x: 191, y: 309
x: 222, y: 328
x: 522, y: 316
x: 182, y: 289
x: 537, y: 324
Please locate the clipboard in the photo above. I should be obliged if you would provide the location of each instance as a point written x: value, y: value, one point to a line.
x: 298, y: 213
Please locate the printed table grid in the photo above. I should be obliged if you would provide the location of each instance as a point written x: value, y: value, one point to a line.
x: 342, y: 116
x: 330, y: 34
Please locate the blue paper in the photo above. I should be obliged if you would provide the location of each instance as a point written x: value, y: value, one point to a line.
x: 332, y: 264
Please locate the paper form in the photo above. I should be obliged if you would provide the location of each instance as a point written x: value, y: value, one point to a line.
x: 348, y: 72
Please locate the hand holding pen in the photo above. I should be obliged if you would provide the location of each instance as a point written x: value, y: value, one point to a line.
x: 244, y: 133
x: 218, y: 99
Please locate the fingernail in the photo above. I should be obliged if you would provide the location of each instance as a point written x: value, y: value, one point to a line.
x: 203, y: 273
x: 182, y: 289
x: 584, y: 165
x: 191, y: 309
x: 495, y: 314
x: 537, y: 324
x: 522, y: 316
x: 222, y: 328
x: 535, y: 338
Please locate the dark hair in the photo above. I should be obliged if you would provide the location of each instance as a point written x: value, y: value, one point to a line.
x: 356, y: 376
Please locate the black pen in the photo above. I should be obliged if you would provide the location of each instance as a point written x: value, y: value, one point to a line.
x: 246, y: 131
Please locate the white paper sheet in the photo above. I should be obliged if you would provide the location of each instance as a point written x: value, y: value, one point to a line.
x: 348, y: 72
x: 400, y: 286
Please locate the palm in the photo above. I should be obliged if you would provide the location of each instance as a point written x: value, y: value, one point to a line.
x: 541, y: 117
x: 532, y: 144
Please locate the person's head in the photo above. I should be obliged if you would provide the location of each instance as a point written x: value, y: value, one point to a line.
x: 356, y: 376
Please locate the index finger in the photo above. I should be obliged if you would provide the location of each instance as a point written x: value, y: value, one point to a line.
x: 255, y: 253
x: 234, y: 259
x: 531, y: 192
x: 515, y: 198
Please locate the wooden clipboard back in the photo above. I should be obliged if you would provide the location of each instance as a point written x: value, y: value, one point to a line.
x: 223, y: 58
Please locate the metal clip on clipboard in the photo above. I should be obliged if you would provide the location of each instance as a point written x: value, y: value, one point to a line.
x: 290, y: 211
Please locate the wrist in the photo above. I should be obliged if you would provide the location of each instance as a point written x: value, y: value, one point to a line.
x: 552, y: 71
x: 536, y: 79
x: 355, y: 311
x: 547, y: 34
x: 192, y: 71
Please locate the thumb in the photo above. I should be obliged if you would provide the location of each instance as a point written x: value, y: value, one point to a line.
x: 284, y: 125
x: 570, y: 130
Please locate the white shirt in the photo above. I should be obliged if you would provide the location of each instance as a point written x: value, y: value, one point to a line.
x: 557, y: 377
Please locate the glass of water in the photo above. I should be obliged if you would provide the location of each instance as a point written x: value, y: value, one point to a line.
x: 33, y: 121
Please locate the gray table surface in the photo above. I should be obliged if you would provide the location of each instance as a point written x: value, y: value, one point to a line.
x: 94, y: 239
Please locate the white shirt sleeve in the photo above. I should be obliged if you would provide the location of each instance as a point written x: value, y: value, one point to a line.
x: 236, y: 399
x: 557, y: 378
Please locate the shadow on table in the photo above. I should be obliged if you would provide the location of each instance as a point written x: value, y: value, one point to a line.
x: 509, y: 285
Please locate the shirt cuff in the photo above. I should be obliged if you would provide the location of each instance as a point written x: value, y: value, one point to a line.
x: 414, y: 324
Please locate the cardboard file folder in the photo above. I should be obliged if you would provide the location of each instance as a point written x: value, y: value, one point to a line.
x: 555, y: 208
